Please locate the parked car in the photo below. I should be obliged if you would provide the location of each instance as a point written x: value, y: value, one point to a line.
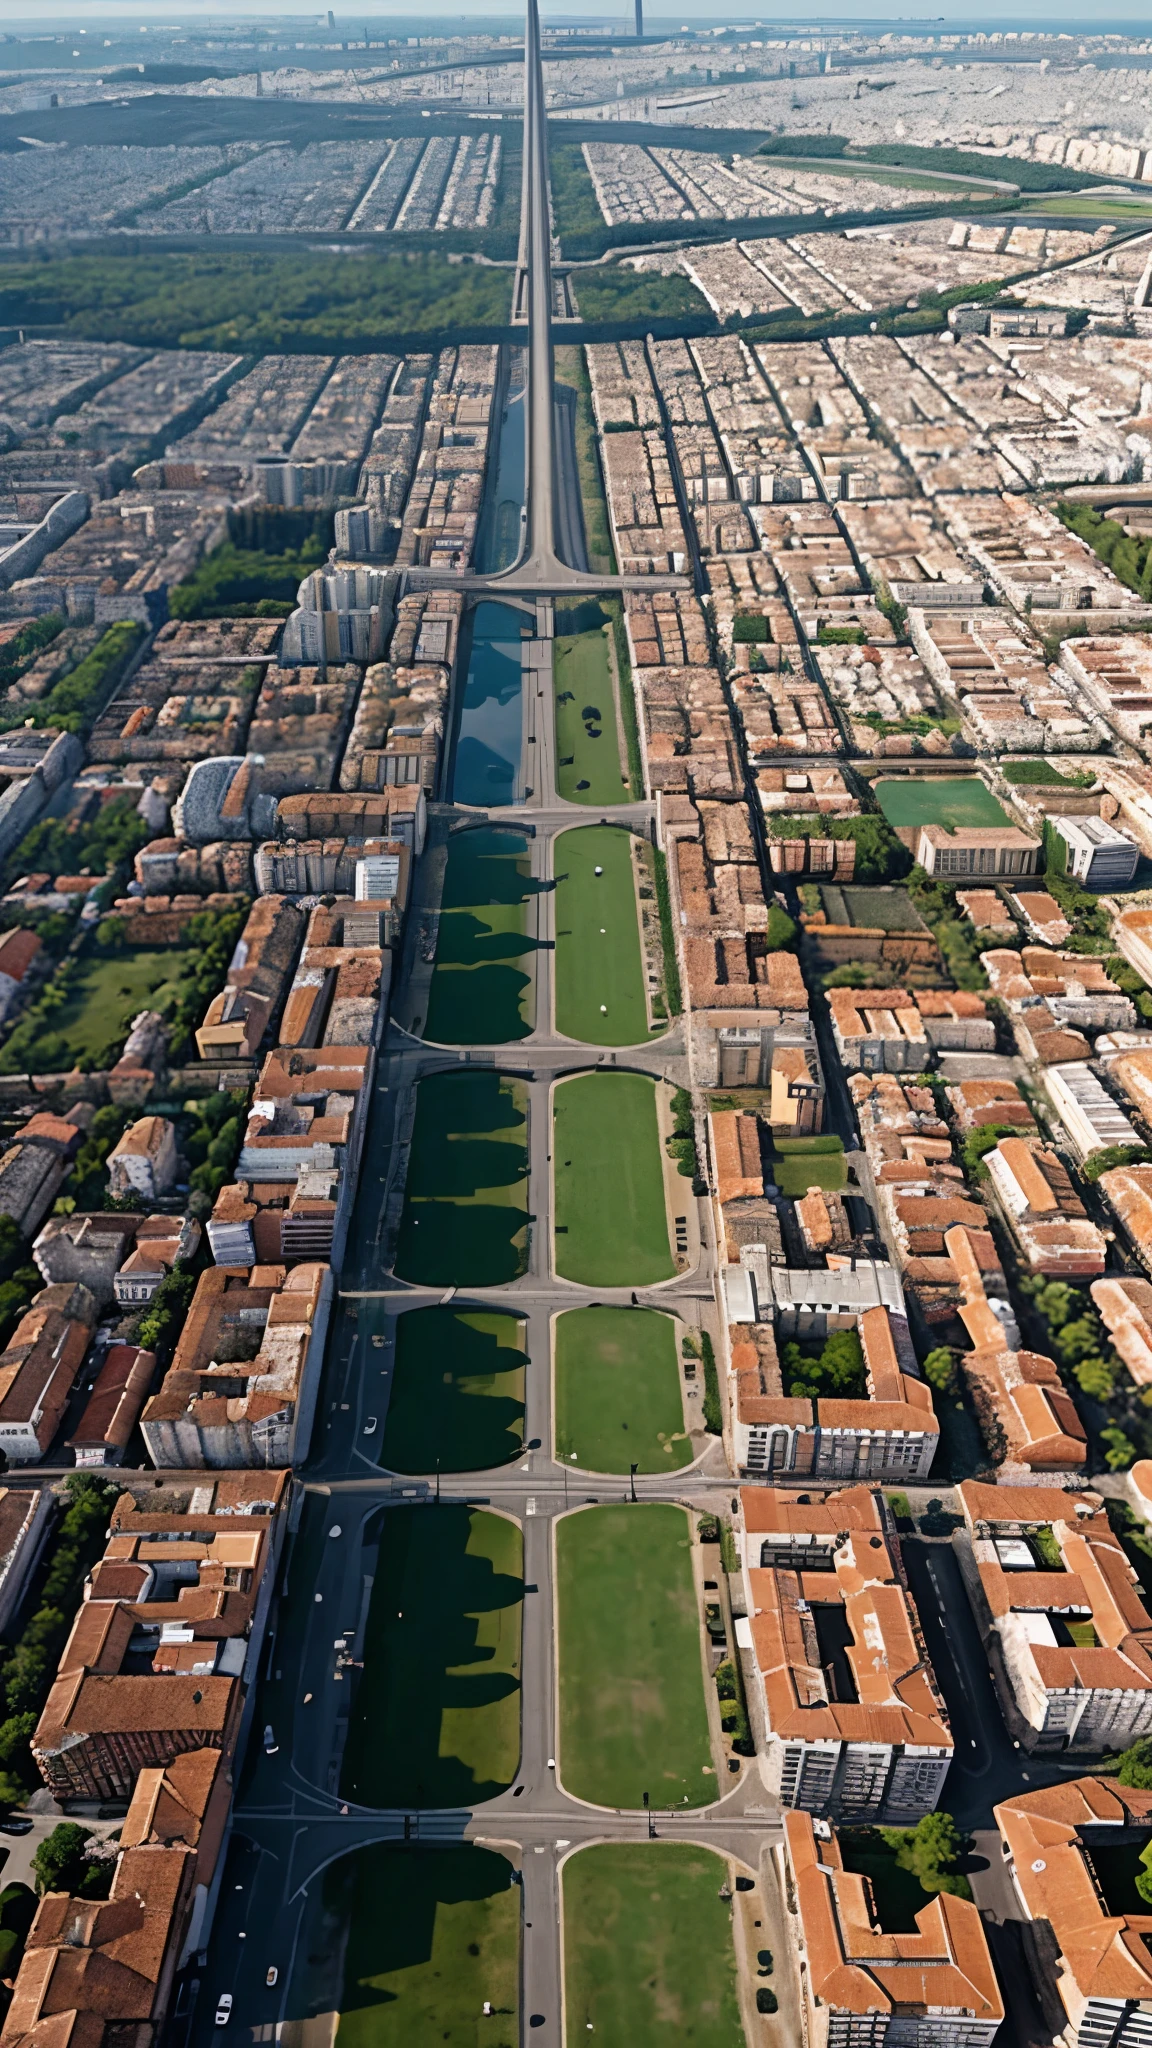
x: 271, y: 1974
x: 270, y: 1743
x: 224, y: 2009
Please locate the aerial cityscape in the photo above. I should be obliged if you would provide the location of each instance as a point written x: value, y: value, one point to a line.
x: 575, y: 679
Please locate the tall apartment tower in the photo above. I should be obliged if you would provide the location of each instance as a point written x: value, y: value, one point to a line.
x: 639, y: 17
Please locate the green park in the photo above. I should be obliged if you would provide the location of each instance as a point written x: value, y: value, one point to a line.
x: 648, y: 1950
x: 457, y: 1396
x: 588, y: 769
x: 464, y: 1221
x: 631, y: 1711
x: 436, y: 1715
x: 599, y: 958
x: 481, y: 991
x: 617, y: 1396
x: 406, y: 1946
x: 611, y: 1227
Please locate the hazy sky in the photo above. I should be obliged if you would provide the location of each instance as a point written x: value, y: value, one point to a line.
x: 1065, y: 14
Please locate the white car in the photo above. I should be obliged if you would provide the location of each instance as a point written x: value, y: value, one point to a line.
x: 271, y: 1974
x: 370, y: 1426
x: 271, y: 1746
x: 224, y: 2009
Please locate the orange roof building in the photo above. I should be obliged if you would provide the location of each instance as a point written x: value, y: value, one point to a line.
x: 858, y: 1977
x: 889, y: 1437
x: 1128, y: 1192
x: 1069, y: 1642
x: 856, y: 1728
x: 1045, y: 1214
x: 1090, y: 1959
x: 165, y: 1642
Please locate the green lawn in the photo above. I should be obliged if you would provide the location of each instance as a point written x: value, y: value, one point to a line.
x: 464, y: 1222
x: 431, y: 1934
x: 611, y: 1219
x: 618, y: 1399
x: 940, y: 800
x: 436, y: 1718
x: 632, y: 1714
x: 457, y: 1398
x: 599, y: 961
x: 94, y: 1018
x: 587, y: 736
x: 795, y: 1170
x: 648, y: 1951
x: 480, y: 993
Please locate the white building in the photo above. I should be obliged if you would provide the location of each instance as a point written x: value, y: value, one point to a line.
x: 1086, y: 1110
x: 1099, y: 856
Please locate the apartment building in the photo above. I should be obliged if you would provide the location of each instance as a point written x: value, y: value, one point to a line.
x: 1124, y: 1304
x: 892, y: 1030
x: 241, y: 1388
x: 1057, y: 1603
x: 246, y: 1008
x: 855, y: 1726
x: 1128, y: 1192
x: 1087, y: 1951
x: 299, y: 1161
x: 38, y: 1368
x: 93, y: 1970
x: 1051, y: 1226
x: 166, y: 1642
x: 1073, y: 988
x: 863, y: 1983
x: 890, y: 1436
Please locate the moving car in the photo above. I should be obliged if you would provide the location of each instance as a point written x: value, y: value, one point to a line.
x: 224, y: 2009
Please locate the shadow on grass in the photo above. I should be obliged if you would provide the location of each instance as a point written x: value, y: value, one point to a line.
x: 447, y: 1235
x: 435, y: 1595
x: 454, y: 1402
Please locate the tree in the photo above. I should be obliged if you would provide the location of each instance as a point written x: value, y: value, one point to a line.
x: 1135, y: 1768
x: 1113, y: 1156
x: 1121, y: 1451
x: 64, y: 1862
x: 940, y: 1370
x: 1077, y: 1339
x: 931, y: 1849
x: 1095, y: 1377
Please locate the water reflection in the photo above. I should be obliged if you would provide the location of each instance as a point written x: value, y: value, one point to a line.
x: 486, y: 767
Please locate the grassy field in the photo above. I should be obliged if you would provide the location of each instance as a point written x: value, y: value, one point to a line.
x: 464, y: 1222
x: 648, y: 1953
x: 480, y: 993
x: 94, y: 1018
x: 599, y: 960
x: 795, y: 1169
x: 611, y: 1219
x: 939, y: 800
x: 618, y: 1399
x: 431, y: 1934
x: 457, y: 1392
x: 436, y: 1719
x: 632, y: 1715
x: 572, y: 369
x: 587, y: 735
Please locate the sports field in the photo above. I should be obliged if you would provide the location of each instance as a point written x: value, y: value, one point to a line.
x: 632, y: 1714
x: 599, y: 963
x: 648, y: 1951
x: 940, y: 800
x: 587, y: 737
x: 611, y: 1219
x: 618, y: 1399
x: 431, y: 1934
x: 457, y: 1400
x: 481, y: 993
x: 436, y: 1714
x: 464, y: 1221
